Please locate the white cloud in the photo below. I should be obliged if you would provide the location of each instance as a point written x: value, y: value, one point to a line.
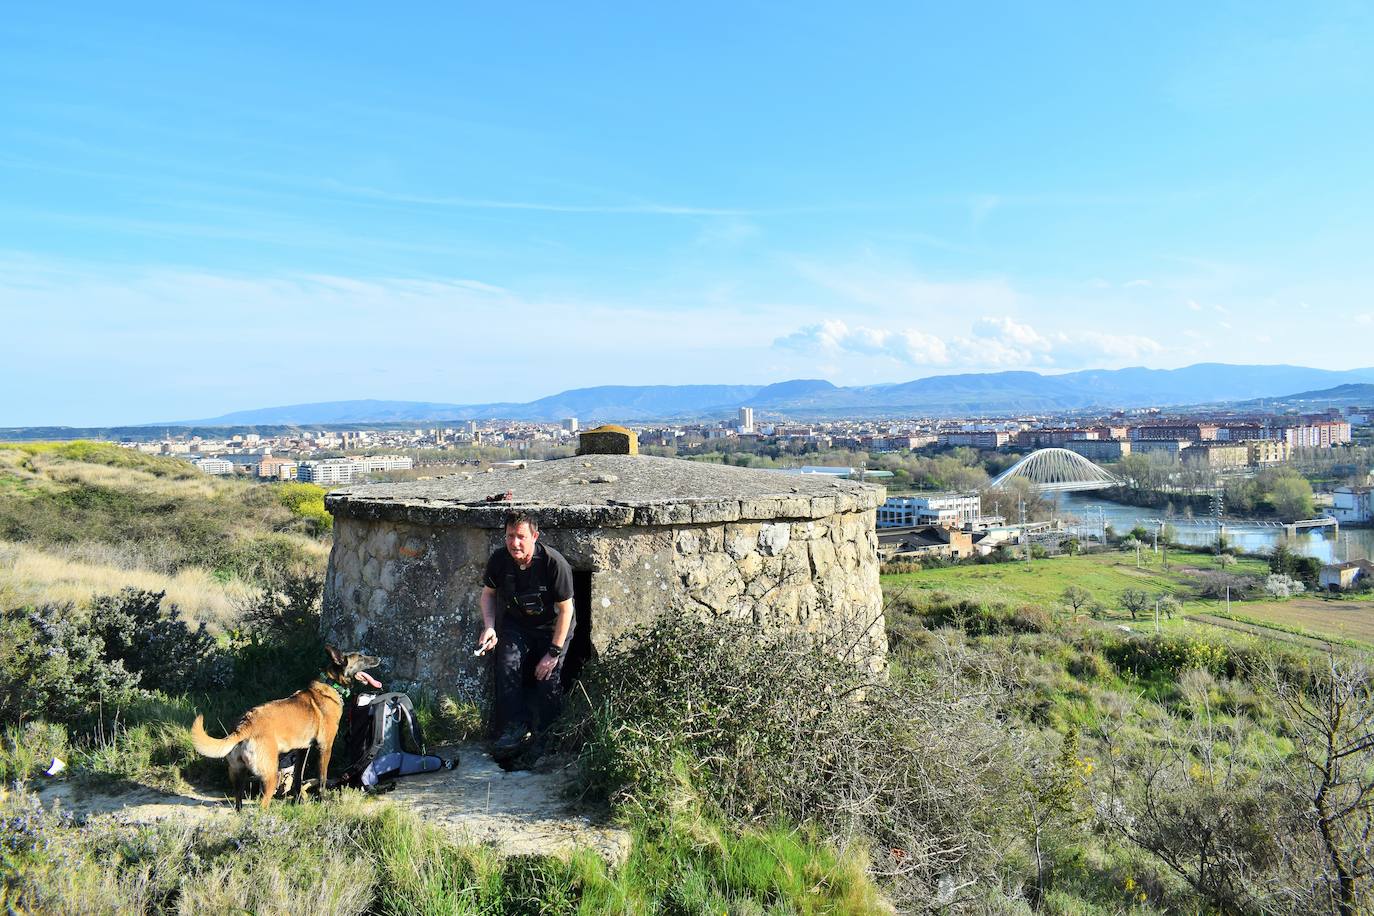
x: 1010, y: 332
x: 1134, y: 283
x: 1194, y: 305
x: 907, y: 345
x: 993, y: 342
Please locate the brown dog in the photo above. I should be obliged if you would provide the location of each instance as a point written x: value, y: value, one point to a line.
x: 309, y: 716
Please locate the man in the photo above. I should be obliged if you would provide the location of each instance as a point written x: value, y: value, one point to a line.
x: 527, y: 616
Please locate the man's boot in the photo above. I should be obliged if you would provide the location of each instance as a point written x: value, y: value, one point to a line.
x: 511, y: 740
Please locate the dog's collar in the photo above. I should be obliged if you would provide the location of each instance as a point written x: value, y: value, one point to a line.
x: 343, y: 690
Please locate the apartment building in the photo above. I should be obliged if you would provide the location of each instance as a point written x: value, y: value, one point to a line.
x: 1316, y: 433
x: 1169, y: 448
x: 217, y: 466
x: 1217, y: 455
x: 945, y: 509
x: 347, y: 470
x: 976, y: 438
x: 1100, y: 449
x: 277, y: 468
x: 1266, y: 451
x: 1187, y: 432
x: 1053, y: 438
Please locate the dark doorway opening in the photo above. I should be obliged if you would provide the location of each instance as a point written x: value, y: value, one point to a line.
x: 581, y: 649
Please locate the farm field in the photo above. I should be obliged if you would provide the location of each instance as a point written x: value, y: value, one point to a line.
x: 1341, y: 619
x: 1104, y: 575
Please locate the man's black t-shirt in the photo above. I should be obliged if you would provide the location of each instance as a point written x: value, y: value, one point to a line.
x: 527, y: 597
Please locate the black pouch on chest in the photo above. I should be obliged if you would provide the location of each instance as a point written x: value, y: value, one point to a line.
x: 527, y: 601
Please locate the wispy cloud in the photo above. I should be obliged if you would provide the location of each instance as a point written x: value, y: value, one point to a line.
x: 981, y: 206
x: 478, y: 203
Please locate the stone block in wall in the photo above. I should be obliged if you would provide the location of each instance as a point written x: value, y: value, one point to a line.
x: 713, y: 511
x: 761, y: 509
x: 676, y: 513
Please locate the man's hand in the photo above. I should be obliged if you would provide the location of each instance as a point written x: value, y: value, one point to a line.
x: 487, y: 642
x: 545, y: 667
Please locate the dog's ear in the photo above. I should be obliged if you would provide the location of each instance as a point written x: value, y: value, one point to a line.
x: 335, y: 655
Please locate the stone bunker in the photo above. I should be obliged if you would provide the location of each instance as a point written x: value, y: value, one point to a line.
x: 645, y: 536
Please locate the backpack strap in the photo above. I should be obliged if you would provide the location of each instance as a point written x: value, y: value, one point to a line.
x: 411, y: 739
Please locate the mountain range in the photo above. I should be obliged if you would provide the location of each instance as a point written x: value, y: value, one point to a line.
x: 949, y: 395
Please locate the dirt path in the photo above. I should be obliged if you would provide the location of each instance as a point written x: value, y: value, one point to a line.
x: 517, y: 813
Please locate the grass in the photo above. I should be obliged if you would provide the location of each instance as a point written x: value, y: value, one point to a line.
x: 1104, y: 575
x: 30, y: 575
x: 353, y: 856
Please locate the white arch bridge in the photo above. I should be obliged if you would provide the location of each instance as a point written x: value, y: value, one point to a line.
x: 1057, y: 469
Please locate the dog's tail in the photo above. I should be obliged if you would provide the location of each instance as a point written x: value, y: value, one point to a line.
x: 211, y: 747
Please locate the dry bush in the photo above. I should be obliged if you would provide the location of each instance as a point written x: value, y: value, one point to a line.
x: 765, y: 727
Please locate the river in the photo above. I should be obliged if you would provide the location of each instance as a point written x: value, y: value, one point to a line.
x: 1353, y: 543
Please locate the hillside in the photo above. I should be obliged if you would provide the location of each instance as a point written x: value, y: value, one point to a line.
x: 82, y: 518
x: 1356, y: 393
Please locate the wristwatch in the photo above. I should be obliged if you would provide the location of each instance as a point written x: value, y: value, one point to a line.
x: 555, y: 651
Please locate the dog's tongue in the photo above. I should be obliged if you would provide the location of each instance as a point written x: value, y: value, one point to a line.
x: 369, y: 680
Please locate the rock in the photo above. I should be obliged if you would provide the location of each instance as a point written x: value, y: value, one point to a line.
x: 773, y: 538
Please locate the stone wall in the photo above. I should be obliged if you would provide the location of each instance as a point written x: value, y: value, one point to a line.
x: 408, y: 591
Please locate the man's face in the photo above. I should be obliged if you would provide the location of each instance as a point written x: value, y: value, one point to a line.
x: 520, y: 542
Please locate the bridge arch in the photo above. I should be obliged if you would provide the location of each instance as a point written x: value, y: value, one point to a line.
x: 1057, y: 469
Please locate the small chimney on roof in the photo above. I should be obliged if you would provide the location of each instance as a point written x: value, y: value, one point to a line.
x: 608, y: 439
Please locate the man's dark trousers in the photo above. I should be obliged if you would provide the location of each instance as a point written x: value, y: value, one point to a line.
x: 521, y: 698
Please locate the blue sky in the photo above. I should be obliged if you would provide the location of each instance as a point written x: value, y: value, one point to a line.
x: 204, y: 210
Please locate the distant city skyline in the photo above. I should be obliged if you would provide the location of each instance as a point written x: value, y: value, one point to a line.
x: 204, y: 211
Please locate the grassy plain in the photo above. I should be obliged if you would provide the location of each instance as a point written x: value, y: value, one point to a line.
x: 1104, y: 575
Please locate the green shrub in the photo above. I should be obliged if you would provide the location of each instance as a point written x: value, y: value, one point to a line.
x: 1148, y: 656
x: 53, y: 667
x: 306, y: 500
x: 156, y: 645
x: 1090, y: 666
x: 985, y: 619
x: 348, y: 857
